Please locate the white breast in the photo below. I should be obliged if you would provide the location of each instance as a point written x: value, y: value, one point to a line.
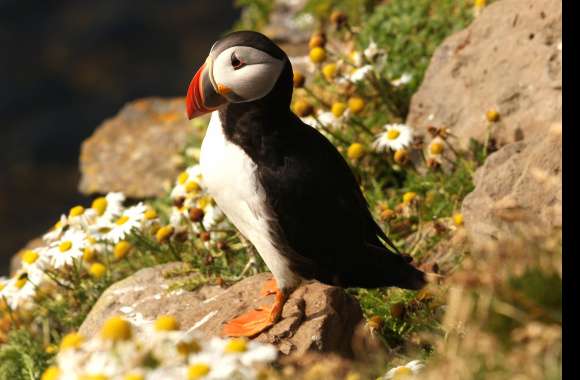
x: 230, y: 176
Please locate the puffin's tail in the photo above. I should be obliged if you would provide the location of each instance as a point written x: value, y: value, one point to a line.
x: 381, y: 268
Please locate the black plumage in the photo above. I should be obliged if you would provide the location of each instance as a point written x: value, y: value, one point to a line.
x: 319, y: 216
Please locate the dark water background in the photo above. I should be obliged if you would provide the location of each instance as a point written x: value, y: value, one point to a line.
x: 65, y: 66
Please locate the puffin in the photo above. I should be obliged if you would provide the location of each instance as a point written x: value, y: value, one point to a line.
x: 282, y: 184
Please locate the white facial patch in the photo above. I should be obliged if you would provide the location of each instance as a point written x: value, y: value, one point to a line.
x: 254, y: 79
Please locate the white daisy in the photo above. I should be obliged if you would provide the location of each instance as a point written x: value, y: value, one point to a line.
x: 360, y: 74
x: 218, y: 367
x: 372, y: 51
x: 328, y: 119
x: 19, y: 289
x: 248, y: 353
x: 356, y: 58
x: 406, y: 371
x: 213, y: 215
x: 35, y: 261
x: 188, y: 183
x: 395, y: 137
x: 57, y: 230
x: 311, y: 121
x: 435, y: 149
x: 70, y: 247
x: 132, y: 218
x: 80, y: 217
x: 108, y: 207
x: 403, y: 80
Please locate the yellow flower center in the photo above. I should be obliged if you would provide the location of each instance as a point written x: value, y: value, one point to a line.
x: 151, y: 214
x: 77, y: 211
x: 402, y: 373
x: 51, y: 373
x: 104, y: 230
x: 355, y: 151
x: 317, y: 55
x: 353, y: 376
x: 133, y: 376
x: 2, y: 286
x: 88, y: 254
x: 458, y: 219
x: 94, y: 377
x: 97, y: 270
x: 480, y: 3
x: 492, y: 116
x: 329, y: 71
x: 203, y: 202
x: 29, y: 257
x: 116, y: 329
x: 393, y: 134
x: 436, y: 148
x: 51, y: 349
x: 166, y: 323
x: 356, y: 104
x: 401, y: 156
x: 183, y: 177
x: 164, y: 233
x: 100, y: 205
x: 409, y: 197
x: 121, y: 249
x: 122, y: 220
x: 197, y: 371
x: 302, y: 108
x: 186, y: 348
x: 58, y: 225
x: 65, y: 246
x: 298, y: 79
x: 21, y: 281
x: 71, y: 340
x: 236, y: 346
x: 192, y: 187
x: 338, y: 109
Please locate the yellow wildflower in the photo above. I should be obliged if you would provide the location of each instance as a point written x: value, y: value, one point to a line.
x: 356, y: 104
x: 355, y: 151
x: 317, y: 55
x: 166, y: 323
x: 71, y: 340
x: 121, y: 249
x: 116, y: 329
x: 97, y: 270
x: 164, y: 233
x: 197, y: 371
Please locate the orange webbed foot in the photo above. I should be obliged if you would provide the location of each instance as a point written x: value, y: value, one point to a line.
x: 254, y: 322
x: 270, y: 287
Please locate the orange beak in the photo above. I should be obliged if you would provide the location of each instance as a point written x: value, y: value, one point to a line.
x: 202, y: 97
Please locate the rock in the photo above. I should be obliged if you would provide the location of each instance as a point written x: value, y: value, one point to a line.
x: 285, y: 27
x: 522, y: 182
x: 316, y: 317
x: 508, y: 59
x: 135, y: 151
x: 291, y: 32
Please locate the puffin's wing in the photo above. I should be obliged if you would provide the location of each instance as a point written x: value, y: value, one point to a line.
x: 321, y: 215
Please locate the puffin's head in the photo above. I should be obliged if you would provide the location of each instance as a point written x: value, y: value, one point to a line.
x: 242, y: 67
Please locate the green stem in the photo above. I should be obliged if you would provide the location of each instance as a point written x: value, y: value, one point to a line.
x: 313, y: 95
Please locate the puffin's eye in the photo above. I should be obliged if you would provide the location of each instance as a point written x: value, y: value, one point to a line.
x: 236, y: 62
